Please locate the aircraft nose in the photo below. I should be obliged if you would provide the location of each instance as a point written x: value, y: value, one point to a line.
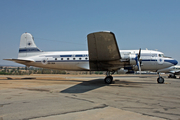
x: 175, y: 62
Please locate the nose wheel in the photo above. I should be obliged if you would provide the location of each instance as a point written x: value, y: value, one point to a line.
x: 160, y: 79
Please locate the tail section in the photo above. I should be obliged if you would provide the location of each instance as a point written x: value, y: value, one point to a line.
x: 27, y: 46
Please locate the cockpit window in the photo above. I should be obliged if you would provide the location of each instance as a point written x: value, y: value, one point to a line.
x: 161, y: 55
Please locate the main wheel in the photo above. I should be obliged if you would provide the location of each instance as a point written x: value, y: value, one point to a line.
x: 108, y: 79
x: 160, y: 80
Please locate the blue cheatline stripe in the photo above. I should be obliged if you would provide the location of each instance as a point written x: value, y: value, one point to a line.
x: 79, y: 56
x: 172, y: 61
x: 144, y: 59
x: 148, y: 60
x: 65, y: 55
x: 82, y: 55
x: 57, y: 56
x: 66, y: 61
x: 21, y: 50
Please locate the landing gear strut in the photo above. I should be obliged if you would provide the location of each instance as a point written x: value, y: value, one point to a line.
x: 160, y: 79
x: 109, y: 78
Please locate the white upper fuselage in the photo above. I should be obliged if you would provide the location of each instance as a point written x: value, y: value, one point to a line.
x: 79, y: 60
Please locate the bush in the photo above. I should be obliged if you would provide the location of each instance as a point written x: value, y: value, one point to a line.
x: 4, y: 73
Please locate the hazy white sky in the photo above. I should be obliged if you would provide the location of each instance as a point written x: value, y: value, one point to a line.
x: 63, y: 25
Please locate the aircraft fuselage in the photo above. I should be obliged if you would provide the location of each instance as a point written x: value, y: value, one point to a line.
x: 79, y: 60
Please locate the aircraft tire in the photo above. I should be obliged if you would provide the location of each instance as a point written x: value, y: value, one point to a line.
x: 108, y: 79
x: 160, y: 80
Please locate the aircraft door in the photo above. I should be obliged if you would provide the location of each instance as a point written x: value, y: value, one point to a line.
x: 154, y: 61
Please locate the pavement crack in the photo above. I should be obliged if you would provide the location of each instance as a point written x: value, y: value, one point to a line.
x: 35, y: 89
x: 1, y: 105
x: 166, y: 113
x: 68, y: 112
x: 79, y: 99
x: 154, y: 116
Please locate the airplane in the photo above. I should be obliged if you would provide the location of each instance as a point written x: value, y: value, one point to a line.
x: 173, y: 70
x: 103, y: 55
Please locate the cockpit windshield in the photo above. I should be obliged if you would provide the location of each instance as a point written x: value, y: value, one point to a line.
x: 162, y: 55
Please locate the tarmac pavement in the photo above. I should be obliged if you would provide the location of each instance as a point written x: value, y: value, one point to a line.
x: 73, y: 97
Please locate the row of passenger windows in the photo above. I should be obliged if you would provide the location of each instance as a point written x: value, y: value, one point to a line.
x: 71, y: 59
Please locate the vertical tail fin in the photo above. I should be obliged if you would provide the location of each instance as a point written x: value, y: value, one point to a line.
x: 27, y: 46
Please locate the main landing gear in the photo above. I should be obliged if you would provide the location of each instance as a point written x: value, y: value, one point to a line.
x: 160, y: 79
x: 109, y: 78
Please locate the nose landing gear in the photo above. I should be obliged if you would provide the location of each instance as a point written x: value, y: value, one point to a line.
x: 160, y: 79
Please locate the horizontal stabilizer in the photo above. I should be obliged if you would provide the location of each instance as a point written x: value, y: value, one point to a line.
x: 21, y: 61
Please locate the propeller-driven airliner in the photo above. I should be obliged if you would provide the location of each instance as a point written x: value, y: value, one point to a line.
x: 103, y: 55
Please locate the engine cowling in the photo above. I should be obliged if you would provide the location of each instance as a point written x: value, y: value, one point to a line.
x: 131, y: 58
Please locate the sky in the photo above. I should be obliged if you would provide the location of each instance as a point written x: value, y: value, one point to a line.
x: 63, y: 25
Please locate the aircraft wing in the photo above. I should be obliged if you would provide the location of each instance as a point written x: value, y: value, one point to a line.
x: 21, y: 61
x: 103, y: 51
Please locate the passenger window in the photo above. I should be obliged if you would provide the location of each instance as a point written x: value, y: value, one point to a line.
x: 55, y: 58
x: 86, y: 58
x: 79, y: 58
x: 74, y: 58
x: 67, y: 58
x: 61, y: 58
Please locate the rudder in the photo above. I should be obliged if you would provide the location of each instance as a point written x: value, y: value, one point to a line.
x: 27, y: 46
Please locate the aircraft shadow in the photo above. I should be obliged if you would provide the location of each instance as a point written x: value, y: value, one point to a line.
x: 86, y: 86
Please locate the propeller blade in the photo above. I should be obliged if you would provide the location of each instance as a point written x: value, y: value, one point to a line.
x: 139, y: 67
x: 138, y: 62
x: 139, y: 55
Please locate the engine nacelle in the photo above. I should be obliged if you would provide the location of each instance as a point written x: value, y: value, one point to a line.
x: 122, y: 71
x: 129, y: 57
x: 133, y: 58
x: 125, y: 56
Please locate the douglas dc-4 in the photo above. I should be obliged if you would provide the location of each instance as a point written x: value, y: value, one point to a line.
x: 103, y: 55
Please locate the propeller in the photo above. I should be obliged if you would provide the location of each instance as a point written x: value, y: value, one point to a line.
x: 138, y: 61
